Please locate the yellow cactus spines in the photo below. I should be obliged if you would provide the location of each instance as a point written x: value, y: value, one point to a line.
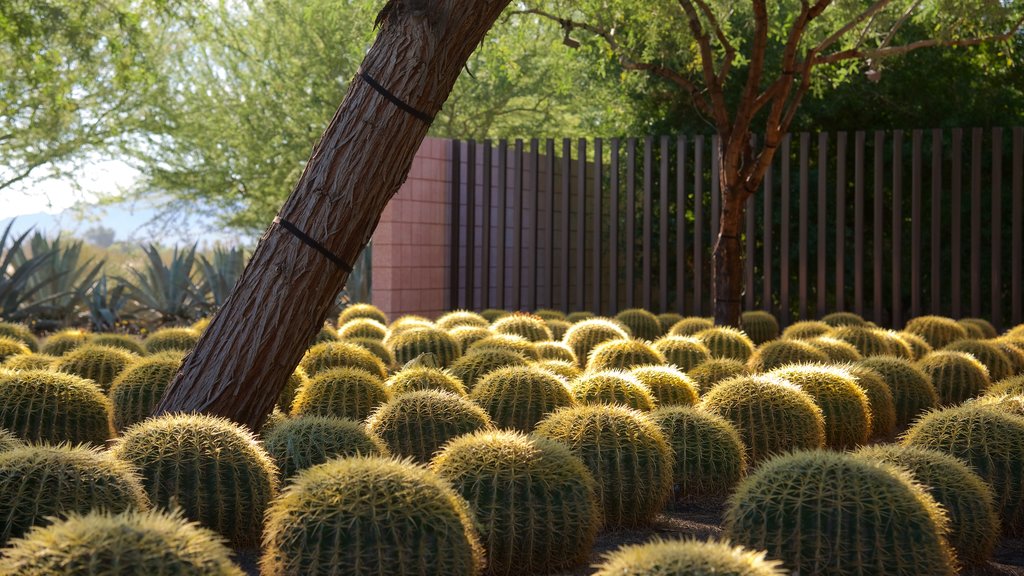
x: 138, y: 388
x: 535, y: 501
x: 558, y: 328
x: 11, y: 347
x: 408, y: 344
x: 987, y: 353
x: 450, y: 320
x: 164, y: 339
x: 687, y: 558
x: 377, y: 348
x: 477, y: 363
x: 991, y: 442
x: 122, y: 341
x: 843, y: 403
x: 683, y: 352
x: 836, y: 319
x: 210, y: 467
x: 424, y: 378
x: 549, y: 314
x: 709, y: 456
x: 492, y: 314
x: 409, y: 322
x: 327, y: 355
x: 417, y: 424
x: 726, y: 342
x: 691, y: 325
x: 613, y: 387
x: 967, y: 499
x: 305, y: 441
x: 1008, y: 403
x: 98, y: 543
x: 667, y: 320
x: 775, y: 353
x: 517, y: 397
x: 584, y: 335
x: 918, y: 345
x: 296, y: 380
x: 21, y: 333
x: 883, y: 406
x: 979, y: 328
x: 805, y: 330
x: 527, y: 326
x: 669, y: 385
x: 30, y: 361
x: 759, y: 325
x: 1014, y: 353
x: 625, y: 451
x: 579, y: 316
x: 956, y: 376
x: 1011, y: 385
x: 712, y: 371
x: 555, y: 351
x: 362, y: 328
x: 466, y: 335
x: 8, y: 441
x: 369, y: 516
x: 101, y: 364
x: 567, y: 370
x: 623, y: 355
x: 60, y: 343
x: 865, y: 339
x: 771, y: 415
x: 643, y: 324
x: 912, y: 390
x: 938, y: 331
x: 898, y: 346
x: 510, y: 342
x: 41, y: 481
x: 361, y: 310
x: 822, y: 512
x: 327, y: 333
x: 344, y: 392
x: 45, y: 406
x: 838, y: 351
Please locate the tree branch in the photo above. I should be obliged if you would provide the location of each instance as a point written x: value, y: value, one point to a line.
x: 835, y: 36
x: 730, y: 50
x: 719, y: 110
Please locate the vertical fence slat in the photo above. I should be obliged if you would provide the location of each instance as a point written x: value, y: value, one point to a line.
x: 976, y: 143
x: 581, y: 224
x: 454, y: 207
x: 858, y: 223
x: 784, y: 303
x: 470, y: 223
x: 805, y: 144
x: 645, y: 297
x: 767, y: 302
x: 935, y: 302
x: 485, y: 226
x: 613, y: 230
x: 681, y: 224
x: 897, y: 221
x: 698, y: 224
x: 663, y: 228
x: 955, y: 235
x: 876, y: 246
x: 748, y: 271
x: 599, y: 279
x: 822, y: 288
x: 1017, y: 232
x: 502, y: 204
x: 517, y: 225
x: 630, y: 221
x: 915, y: 229
x: 566, y: 218
x: 716, y: 193
x: 533, y: 258
x: 995, y: 226
x: 549, y: 151
x: 840, y: 221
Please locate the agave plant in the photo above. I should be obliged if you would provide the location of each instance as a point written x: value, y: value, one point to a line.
x: 357, y: 288
x: 221, y: 274
x: 61, y: 283
x: 166, y: 290
x: 106, y: 303
x: 19, y: 284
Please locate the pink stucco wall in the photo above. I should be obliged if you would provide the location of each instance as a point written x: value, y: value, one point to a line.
x: 411, y: 243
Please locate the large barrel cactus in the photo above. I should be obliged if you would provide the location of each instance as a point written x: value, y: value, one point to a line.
x: 669, y: 386
x: 122, y: 341
x: 956, y: 376
x: 60, y: 343
x: 612, y: 387
x: 726, y: 342
x: 691, y: 325
x: 517, y: 397
x: 361, y: 310
x: 831, y: 513
x: 709, y: 456
x: 101, y: 364
x: 409, y: 344
x: 299, y: 443
x: 711, y: 372
x: 623, y: 355
x: 759, y: 325
x: 183, y: 339
x: 866, y: 340
x: 327, y: 355
x: 583, y: 336
x: 44, y: 406
x: 478, y: 363
x: 775, y: 353
x: 528, y: 326
x: 467, y: 335
x: 838, y: 351
x: 534, y: 501
x: 342, y: 392
x: 683, y: 352
x: 362, y: 328
x: 918, y: 345
x: 841, y: 318
x: 643, y: 324
x: 456, y: 318
x: 136, y: 390
x: 805, y: 330
x: 417, y: 424
x: 424, y: 378
x: 987, y: 353
x: 843, y: 403
x: 556, y: 351
x: 911, y: 388
x: 938, y: 331
x: 687, y: 558
x: 370, y: 516
x: 883, y: 406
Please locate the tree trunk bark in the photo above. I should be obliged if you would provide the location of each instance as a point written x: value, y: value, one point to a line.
x: 727, y: 277
x: 245, y: 356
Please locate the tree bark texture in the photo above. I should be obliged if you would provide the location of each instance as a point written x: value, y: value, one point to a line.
x: 727, y: 278
x: 245, y: 356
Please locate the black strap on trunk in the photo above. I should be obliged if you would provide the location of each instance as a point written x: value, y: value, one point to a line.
x: 309, y: 241
x: 394, y: 99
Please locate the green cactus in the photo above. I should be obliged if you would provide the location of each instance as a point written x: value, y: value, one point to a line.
x: 912, y: 390
x: 202, y: 324
x: 44, y: 406
x: 776, y: 353
x: 987, y: 353
x: 101, y: 364
x: 417, y: 424
x: 625, y: 451
x: 1014, y: 353
x: 1008, y: 403
x: 164, y: 339
x: 938, y: 331
x: 477, y: 363
x: 41, y: 481
x: 327, y: 355
x: 880, y: 399
x: 1010, y: 385
x: 303, y: 442
x: 549, y: 314
x: 668, y: 385
x: 457, y: 318
x: 467, y: 335
x: 709, y: 456
x: 836, y: 319
x: 21, y: 333
x: 492, y: 314
x: 956, y: 376
x: 865, y: 339
x: 843, y: 403
x: 898, y: 346
x: 424, y: 378
x: 409, y: 344
x: 508, y: 342
x: 690, y: 326
x: 838, y: 351
x: 368, y: 516
x: 275, y: 419
x: 567, y: 370
x: 710, y: 372
x: 579, y: 316
x: 555, y: 351
x: 683, y: 352
x: 361, y: 310
x: 991, y: 442
x: 643, y: 324
x: 327, y: 333
x: 210, y: 467
x: 726, y: 342
x: 527, y: 326
x: 623, y: 355
x: 558, y: 328
x: 613, y: 387
x: 980, y: 326
x: 687, y: 558
x: 517, y: 397
x: 286, y: 398
x: 362, y: 328
x: 585, y: 335
x: 759, y: 325
x: 60, y: 343
x: 918, y: 346
x: 10, y: 347
x: 832, y: 513
x: 409, y: 322
x: 805, y: 330
x: 667, y: 320
x: 771, y: 415
x: 377, y: 348
x: 122, y: 341
x: 30, y: 361
x: 966, y: 498
x: 344, y: 392
x: 137, y: 390
x: 153, y: 543
x: 534, y: 501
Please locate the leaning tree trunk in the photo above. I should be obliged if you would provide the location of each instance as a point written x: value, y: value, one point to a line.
x: 244, y: 358
x: 727, y: 275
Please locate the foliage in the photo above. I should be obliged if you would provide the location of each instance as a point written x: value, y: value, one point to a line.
x: 220, y: 272
x: 17, y: 288
x: 59, y: 286
x: 166, y: 289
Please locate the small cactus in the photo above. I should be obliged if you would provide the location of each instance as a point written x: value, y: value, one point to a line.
x: 455, y: 318
x: 30, y: 361
x: 492, y: 314
x: 711, y: 372
x: 836, y: 319
x: 467, y: 335
x: 366, y: 516
x: 101, y: 364
x: 303, y: 442
x: 165, y: 339
x: 938, y: 331
x: 341, y: 392
x: 517, y: 397
x: 709, y: 456
x: 726, y: 342
x: 690, y: 326
x: 865, y: 339
x: 327, y: 355
x: 533, y: 499
x: 683, y: 352
x: 668, y: 385
x: 623, y: 355
x: 409, y: 344
x: 987, y: 353
x: 837, y: 350
x: 579, y: 316
x: 424, y: 378
x: 805, y: 330
x: 912, y: 390
x: 10, y: 347
x: 44, y: 406
x: 883, y: 406
x: 776, y: 353
x: 584, y: 335
x: 759, y: 325
x: 527, y: 326
x: 476, y: 364
x: 612, y: 387
x: 362, y: 328
x: 361, y: 310
x: 555, y: 351
x: 21, y: 333
x: 417, y: 424
x: 843, y: 403
x: 60, y: 343
x: 956, y: 376
x: 687, y: 558
x: 643, y: 324
x: 567, y: 370
x: 122, y: 341
x: 509, y: 342
x: 137, y: 390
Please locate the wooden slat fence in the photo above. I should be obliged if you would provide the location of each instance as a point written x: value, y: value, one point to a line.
x: 888, y: 224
